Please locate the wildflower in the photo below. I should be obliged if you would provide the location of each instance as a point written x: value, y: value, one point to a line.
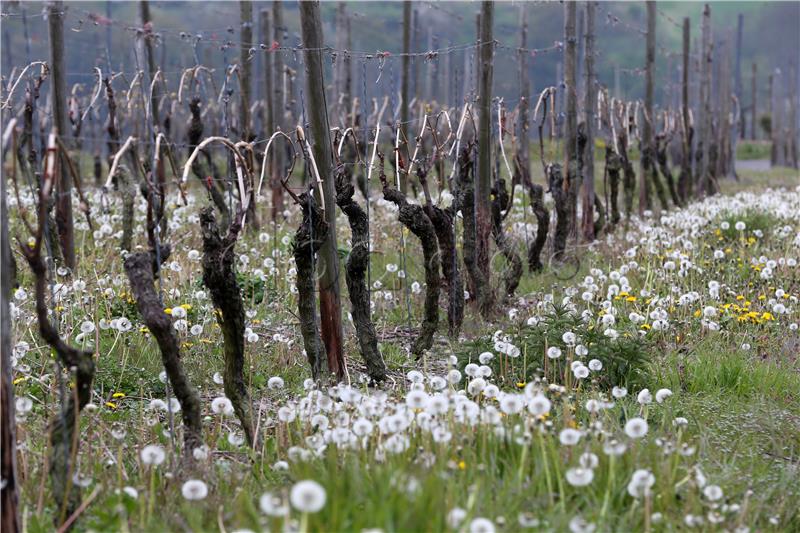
x: 569, y: 338
x: 272, y: 505
x: 455, y: 517
x: 740, y: 226
x: 481, y: 525
x: 636, y: 428
x: 640, y: 483
x: 569, y: 436
x: 194, y: 489
x: 712, y: 492
x: 579, y: 525
x: 539, y: 405
x: 619, y: 392
x: 581, y: 372
x: 153, y: 454
x: 511, y: 403
x: 23, y: 405
x: 579, y: 477
x: 554, y: 352
x: 589, y: 460
x: 275, y: 383
x: 662, y: 395
x: 222, y: 405
x: 644, y: 397
x: 308, y: 496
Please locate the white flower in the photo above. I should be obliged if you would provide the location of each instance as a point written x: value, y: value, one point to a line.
x: 595, y: 365
x: 194, y: 489
x: 580, y: 372
x: 640, y: 483
x: 481, y: 525
x: 569, y: 436
x: 636, y: 428
x: 644, y: 397
x: 455, y: 517
x: 153, y: 454
x: 662, y: 395
x: 580, y: 477
x: 196, y: 330
x: 308, y: 496
x: 579, y: 525
x: 87, y: 326
x: 554, y: 352
x: 539, y: 405
x: 272, y: 505
x: 569, y: 338
x: 740, y: 226
x: 23, y: 405
x: 275, y: 383
x: 619, y: 392
x: 712, y: 492
x: 222, y: 405
x: 511, y: 403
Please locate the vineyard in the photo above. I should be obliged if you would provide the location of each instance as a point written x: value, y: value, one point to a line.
x: 261, y: 278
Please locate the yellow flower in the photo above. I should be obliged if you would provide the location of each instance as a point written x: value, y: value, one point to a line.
x: 168, y: 310
x: 118, y: 395
x: 112, y: 405
x: 188, y: 307
x: 646, y: 326
x: 521, y: 384
x: 698, y: 314
x: 630, y: 299
x: 767, y: 316
x: 20, y: 379
x: 462, y: 465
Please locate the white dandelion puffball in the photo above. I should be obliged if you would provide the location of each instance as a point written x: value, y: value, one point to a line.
x: 153, y: 455
x: 273, y: 505
x: 662, y: 395
x: 636, y: 428
x: 481, y: 525
x: 194, y: 489
x: 712, y: 492
x: 308, y: 496
x: 569, y: 437
x: 580, y: 477
x: 222, y: 405
x: 554, y: 352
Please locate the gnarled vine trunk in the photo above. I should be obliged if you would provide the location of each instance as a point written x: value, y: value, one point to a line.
x: 501, y: 202
x: 140, y: 270
x: 219, y: 277
x: 356, y: 268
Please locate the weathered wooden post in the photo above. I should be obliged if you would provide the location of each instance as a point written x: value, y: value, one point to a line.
x: 404, y: 96
x: 524, y: 94
x: 63, y: 202
x: 484, y: 178
x: 738, y: 86
x: 277, y: 103
x: 572, y: 178
x: 590, y: 104
x: 685, y: 179
x: 754, y: 103
x: 329, y: 295
x: 147, y: 23
x: 245, y: 66
x: 704, y: 133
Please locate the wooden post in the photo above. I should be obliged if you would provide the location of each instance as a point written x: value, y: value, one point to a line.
x: 9, y: 497
x: 590, y: 103
x: 791, y: 137
x: 778, y: 108
x: 704, y: 133
x: 329, y: 295
x: 484, y: 175
x: 245, y: 67
x: 147, y: 23
x: 685, y: 180
x: 738, y: 87
x: 405, y: 83
x: 572, y: 177
x: 63, y: 201
x: 754, y: 103
x: 278, y: 106
x: 647, y: 141
x: 524, y: 96
x: 415, y: 34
